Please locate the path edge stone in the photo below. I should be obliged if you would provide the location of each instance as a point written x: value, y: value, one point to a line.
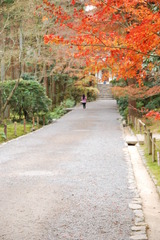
x: 139, y: 228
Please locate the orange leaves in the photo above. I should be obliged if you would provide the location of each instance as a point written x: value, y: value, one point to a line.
x: 150, y: 66
x: 44, y: 19
x: 154, y: 114
x: 122, y: 32
x: 143, y: 37
x: 53, y: 39
x: 134, y: 92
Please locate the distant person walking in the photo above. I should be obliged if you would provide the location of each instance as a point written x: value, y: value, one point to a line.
x: 83, y: 101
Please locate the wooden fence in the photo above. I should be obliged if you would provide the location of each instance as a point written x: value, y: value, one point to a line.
x: 35, y: 125
x: 149, y: 140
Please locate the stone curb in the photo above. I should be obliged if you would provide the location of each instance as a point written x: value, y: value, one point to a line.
x: 142, y: 156
x: 141, y: 153
x: 139, y: 228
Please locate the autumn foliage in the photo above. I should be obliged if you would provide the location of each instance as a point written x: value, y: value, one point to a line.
x: 154, y: 114
x: 135, y: 92
x: 116, y: 35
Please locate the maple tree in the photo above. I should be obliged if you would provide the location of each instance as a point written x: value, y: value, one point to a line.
x: 135, y: 92
x: 115, y: 35
x: 118, y: 36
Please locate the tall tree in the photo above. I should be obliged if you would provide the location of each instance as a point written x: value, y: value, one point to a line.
x: 116, y: 35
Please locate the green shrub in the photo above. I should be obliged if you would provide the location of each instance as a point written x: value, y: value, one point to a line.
x: 28, y: 99
x: 27, y: 76
x: 8, y: 1
x: 125, y: 113
x: 153, y: 104
x: 139, y: 104
x: 58, y: 112
x: 121, y: 82
x: 69, y: 103
x: 123, y: 106
x: 3, y: 136
x: 92, y: 94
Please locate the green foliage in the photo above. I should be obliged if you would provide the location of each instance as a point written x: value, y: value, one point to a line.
x: 69, y: 103
x: 8, y: 1
x: 58, y: 112
x: 28, y: 99
x: 153, y: 104
x: 121, y: 82
x: 139, y: 104
x: 123, y: 106
x: 45, y: 118
x: 154, y: 7
x: 3, y: 136
x: 10, y: 130
x: 148, y: 122
x: 153, y: 166
x: 91, y: 94
x: 77, y: 93
x: 27, y: 76
x: 64, y: 87
x: 63, y: 77
x: 125, y: 113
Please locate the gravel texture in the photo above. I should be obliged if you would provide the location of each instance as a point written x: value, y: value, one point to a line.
x: 68, y: 180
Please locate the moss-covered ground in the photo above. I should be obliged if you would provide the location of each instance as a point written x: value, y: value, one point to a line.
x: 154, y: 126
x: 11, y: 133
x: 153, y: 166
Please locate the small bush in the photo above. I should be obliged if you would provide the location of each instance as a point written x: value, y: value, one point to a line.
x: 139, y: 104
x: 121, y: 82
x: 153, y: 104
x: 123, y: 106
x: 28, y: 99
x: 58, y: 112
x: 69, y: 103
x: 3, y: 136
x: 27, y: 76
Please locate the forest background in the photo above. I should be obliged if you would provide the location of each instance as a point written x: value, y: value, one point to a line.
x: 27, y: 63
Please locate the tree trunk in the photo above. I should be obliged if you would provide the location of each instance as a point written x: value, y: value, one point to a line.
x: 12, y: 68
x: 21, y: 51
x: 1, y: 116
x: 2, y: 69
x: 53, y: 91
x: 43, y: 73
x: 46, y: 81
x: 8, y: 99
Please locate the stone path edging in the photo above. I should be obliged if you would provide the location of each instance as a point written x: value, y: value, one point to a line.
x: 141, y: 153
x: 139, y: 229
x: 151, y: 224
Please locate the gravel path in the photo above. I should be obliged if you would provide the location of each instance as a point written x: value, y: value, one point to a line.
x: 68, y: 180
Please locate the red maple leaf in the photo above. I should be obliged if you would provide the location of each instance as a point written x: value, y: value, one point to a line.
x: 73, y: 2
